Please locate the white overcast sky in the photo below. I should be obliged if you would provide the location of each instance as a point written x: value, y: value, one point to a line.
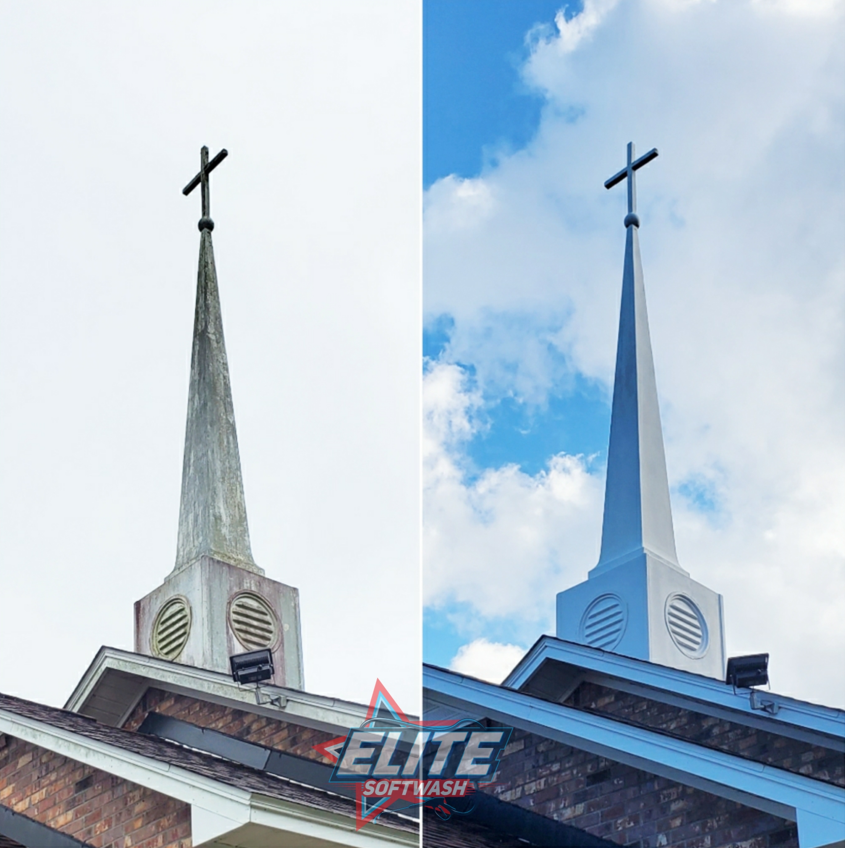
x: 104, y: 107
x: 742, y: 243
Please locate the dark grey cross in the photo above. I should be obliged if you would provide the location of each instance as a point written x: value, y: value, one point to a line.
x: 628, y: 171
x: 201, y: 178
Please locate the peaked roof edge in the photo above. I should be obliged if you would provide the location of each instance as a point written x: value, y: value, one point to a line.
x: 797, y: 719
x: 127, y: 675
x: 216, y: 805
x: 818, y: 807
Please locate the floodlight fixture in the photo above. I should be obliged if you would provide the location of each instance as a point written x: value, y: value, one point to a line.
x: 252, y: 667
x: 748, y: 671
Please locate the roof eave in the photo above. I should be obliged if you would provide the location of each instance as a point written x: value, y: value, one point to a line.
x: 218, y: 810
x: 304, y: 708
x: 793, y: 796
x: 797, y: 719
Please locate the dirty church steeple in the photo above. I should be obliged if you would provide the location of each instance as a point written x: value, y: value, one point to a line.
x: 637, y: 600
x: 216, y: 602
x: 212, y: 513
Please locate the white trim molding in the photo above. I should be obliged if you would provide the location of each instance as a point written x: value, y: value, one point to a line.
x: 309, y: 710
x: 772, y: 790
x: 811, y: 723
x: 217, y: 809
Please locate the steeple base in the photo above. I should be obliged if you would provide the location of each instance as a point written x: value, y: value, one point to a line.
x: 650, y: 611
x: 211, y: 610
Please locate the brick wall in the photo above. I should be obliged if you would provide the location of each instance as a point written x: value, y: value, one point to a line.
x: 626, y: 805
x: 273, y: 733
x: 88, y: 804
x: 759, y: 745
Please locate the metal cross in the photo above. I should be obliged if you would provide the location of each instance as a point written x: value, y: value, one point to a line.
x: 201, y: 178
x: 628, y: 171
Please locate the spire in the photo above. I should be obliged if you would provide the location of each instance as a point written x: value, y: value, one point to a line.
x: 216, y: 602
x: 638, y: 601
x: 212, y: 515
x: 637, y: 511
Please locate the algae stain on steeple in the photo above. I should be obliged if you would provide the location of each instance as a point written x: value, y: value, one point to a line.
x: 216, y: 602
x: 212, y: 514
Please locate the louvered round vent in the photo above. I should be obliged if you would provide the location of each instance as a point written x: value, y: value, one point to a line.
x: 252, y: 621
x: 686, y: 626
x: 171, y: 629
x: 604, y: 622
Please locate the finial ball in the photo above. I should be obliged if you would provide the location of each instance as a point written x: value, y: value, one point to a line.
x: 206, y: 224
x: 630, y: 218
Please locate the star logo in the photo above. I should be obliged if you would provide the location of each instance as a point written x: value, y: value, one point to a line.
x: 396, y: 762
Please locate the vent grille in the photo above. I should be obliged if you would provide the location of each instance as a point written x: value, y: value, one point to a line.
x: 171, y: 629
x: 686, y: 626
x: 252, y: 621
x: 604, y: 622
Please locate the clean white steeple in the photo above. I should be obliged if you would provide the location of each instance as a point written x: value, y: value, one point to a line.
x: 638, y: 601
x: 637, y: 512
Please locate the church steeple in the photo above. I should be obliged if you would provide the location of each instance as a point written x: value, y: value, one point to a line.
x: 212, y: 514
x: 638, y: 601
x: 637, y: 511
x: 216, y: 602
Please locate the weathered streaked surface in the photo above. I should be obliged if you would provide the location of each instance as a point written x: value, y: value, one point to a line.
x: 212, y: 515
x: 216, y: 602
x: 210, y: 587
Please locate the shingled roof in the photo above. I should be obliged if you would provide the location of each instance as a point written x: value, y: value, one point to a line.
x: 196, y: 762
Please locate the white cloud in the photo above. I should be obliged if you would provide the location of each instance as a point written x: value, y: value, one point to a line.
x: 485, y: 660
x: 506, y: 538
x: 453, y: 203
x: 571, y: 33
x: 743, y: 215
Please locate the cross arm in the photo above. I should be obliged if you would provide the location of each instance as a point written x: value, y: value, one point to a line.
x: 208, y: 169
x: 634, y: 166
x: 645, y: 159
x: 616, y: 178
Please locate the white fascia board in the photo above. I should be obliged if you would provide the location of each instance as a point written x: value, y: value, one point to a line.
x: 756, y: 719
x: 290, y: 824
x: 216, y: 808
x: 326, y: 825
x: 330, y: 714
x: 818, y: 832
x: 165, y: 778
x: 756, y: 785
x: 88, y: 682
x: 704, y: 690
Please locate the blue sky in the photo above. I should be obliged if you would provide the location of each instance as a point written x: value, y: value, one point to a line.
x: 476, y: 104
x: 473, y: 96
x: 526, y: 113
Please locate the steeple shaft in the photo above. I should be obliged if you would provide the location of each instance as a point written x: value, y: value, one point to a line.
x: 638, y: 601
x: 212, y: 515
x: 637, y: 511
x: 216, y: 602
